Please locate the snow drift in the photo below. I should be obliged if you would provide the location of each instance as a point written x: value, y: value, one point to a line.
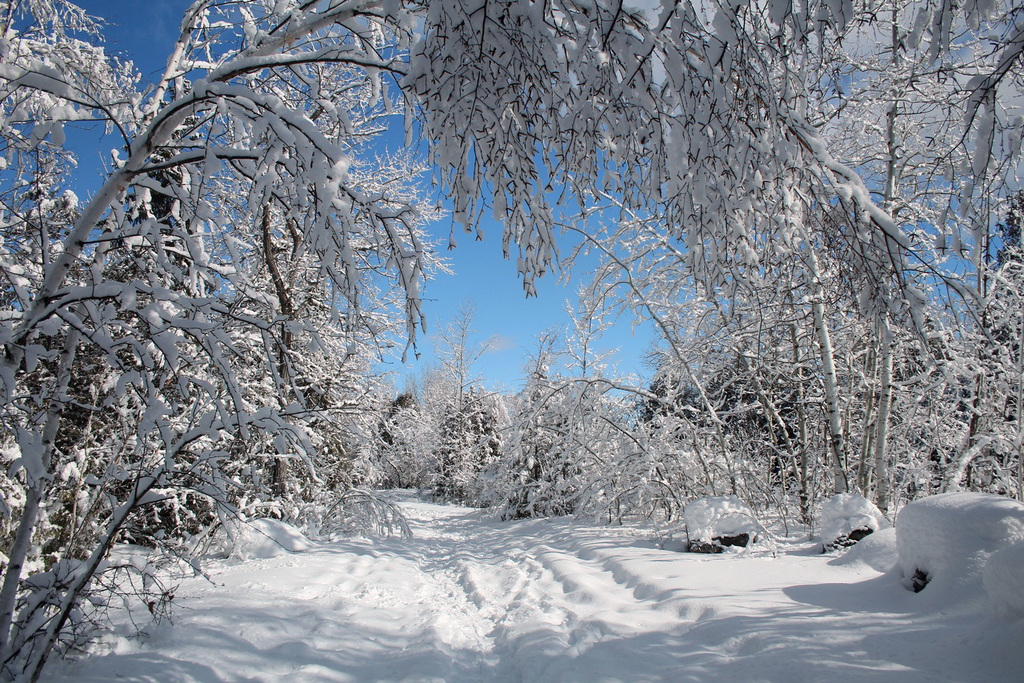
x: 877, y: 552
x: 260, y: 539
x: 945, y: 541
x: 1003, y: 578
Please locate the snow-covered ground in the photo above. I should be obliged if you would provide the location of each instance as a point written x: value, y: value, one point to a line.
x: 469, y: 598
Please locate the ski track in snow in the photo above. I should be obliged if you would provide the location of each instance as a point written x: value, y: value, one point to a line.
x: 472, y: 599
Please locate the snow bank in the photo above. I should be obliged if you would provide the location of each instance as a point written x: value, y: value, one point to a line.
x: 720, y: 517
x: 262, y: 539
x: 844, y: 514
x: 877, y: 551
x: 945, y: 540
x: 1003, y: 578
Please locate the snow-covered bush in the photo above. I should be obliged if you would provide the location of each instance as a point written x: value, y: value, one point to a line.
x: 847, y: 518
x: 332, y: 515
x: 945, y: 540
x: 259, y: 539
x: 178, y: 515
x: 717, y: 521
x: 1003, y: 578
x: 355, y: 512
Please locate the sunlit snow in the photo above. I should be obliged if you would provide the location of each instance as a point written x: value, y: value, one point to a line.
x: 469, y: 598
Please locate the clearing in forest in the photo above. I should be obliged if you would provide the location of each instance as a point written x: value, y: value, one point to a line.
x: 470, y: 598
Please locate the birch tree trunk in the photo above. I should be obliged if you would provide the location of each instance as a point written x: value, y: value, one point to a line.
x: 869, y: 420
x: 801, y: 465
x: 828, y: 375
x: 882, y: 422
x: 884, y: 362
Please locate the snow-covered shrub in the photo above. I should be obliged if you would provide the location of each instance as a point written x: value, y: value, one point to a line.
x: 1003, y: 578
x: 330, y: 516
x: 259, y: 539
x: 717, y: 521
x: 947, y: 539
x: 847, y: 518
x: 355, y: 512
x: 178, y: 514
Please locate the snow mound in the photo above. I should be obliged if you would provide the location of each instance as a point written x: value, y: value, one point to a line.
x: 877, y: 551
x: 844, y: 514
x: 1003, y: 578
x: 720, y: 517
x: 947, y: 539
x: 261, y: 539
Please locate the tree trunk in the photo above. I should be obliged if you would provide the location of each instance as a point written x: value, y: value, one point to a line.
x: 1019, y: 439
x: 882, y: 421
x: 828, y: 368
x: 870, y: 400
x: 279, y: 473
x: 802, y: 465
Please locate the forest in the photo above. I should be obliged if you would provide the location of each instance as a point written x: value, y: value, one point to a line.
x: 817, y: 204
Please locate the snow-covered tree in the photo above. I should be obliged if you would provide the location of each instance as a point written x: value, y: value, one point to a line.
x: 396, y: 459
x: 460, y: 421
x: 539, y: 466
x: 469, y: 442
x: 713, y: 116
x: 242, y: 159
x: 990, y: 358
x: 864, y: 143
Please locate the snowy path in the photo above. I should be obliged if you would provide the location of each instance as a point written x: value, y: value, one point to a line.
x: 472, y: 599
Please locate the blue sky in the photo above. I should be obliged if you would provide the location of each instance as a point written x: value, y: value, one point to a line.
x: 144, y: 32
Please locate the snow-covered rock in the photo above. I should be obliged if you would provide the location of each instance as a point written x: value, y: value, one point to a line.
x: 717, y: 521
x: 848, y: 517
x: 946, y: 540
x: 1003, y: 578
